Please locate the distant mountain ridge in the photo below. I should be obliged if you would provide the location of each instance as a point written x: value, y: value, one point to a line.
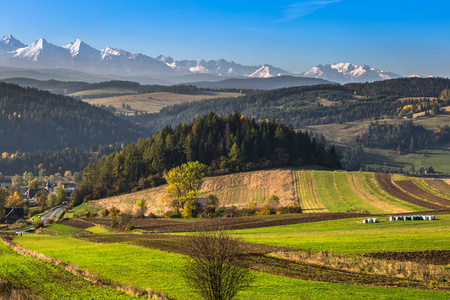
x: 82, y: 57
x: 347, y: 72
x: 115, y: 63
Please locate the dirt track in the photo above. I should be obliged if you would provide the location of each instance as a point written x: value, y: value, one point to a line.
x: 384, y: 180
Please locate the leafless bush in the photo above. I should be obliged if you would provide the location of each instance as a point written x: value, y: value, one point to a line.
x: 212, y: 267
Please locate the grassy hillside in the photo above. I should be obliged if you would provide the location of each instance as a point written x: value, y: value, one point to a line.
x: 28, y: 278
x: 313, y: 190
x: 150, y: 102
x: 437, y: 156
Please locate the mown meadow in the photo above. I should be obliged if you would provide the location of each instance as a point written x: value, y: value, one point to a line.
x: 350, y: 236
x: 161, y: 271
x: 36, y: 279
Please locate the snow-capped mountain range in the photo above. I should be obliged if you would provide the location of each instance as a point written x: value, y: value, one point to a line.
x: 347, y: 72
x: 116, y: 62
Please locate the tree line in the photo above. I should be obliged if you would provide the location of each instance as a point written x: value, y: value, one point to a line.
x: 229, y: 143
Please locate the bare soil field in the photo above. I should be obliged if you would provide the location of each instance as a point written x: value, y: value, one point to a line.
x: 439, y: 185
x: 384, y: 180
x: 77, y: 223
x: 164, y: 225
x: 413, y: 189
x: 434, y: 257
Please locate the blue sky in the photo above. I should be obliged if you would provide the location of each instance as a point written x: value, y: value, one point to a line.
x: 407, y: 37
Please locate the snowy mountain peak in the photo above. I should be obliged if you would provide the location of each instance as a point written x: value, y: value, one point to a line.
x: 165, y: 59
x: 264, y: 72
x: 10, y: 43
x: 78, y: 47
x: 348, y: 72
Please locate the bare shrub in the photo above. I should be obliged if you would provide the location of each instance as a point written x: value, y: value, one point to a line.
x: 212, y: 267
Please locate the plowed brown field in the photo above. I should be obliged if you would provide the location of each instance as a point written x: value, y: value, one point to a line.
x: 384, y: 180
x: 439, y: 185
x: 163, y: 225
x: 434, y: 257
x: 413, y: 189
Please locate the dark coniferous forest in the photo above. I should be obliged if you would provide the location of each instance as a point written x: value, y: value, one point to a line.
x: 35, y: 120
x: 224, y: 143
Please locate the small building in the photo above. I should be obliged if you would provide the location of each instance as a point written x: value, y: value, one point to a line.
x: 12, y: 214
x: 30, y: 193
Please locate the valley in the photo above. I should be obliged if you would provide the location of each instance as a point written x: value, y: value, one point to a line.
x: 281, y: 193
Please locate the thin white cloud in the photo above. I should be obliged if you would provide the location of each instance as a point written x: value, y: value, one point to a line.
x: 301, y: 9
x: 260, y: 30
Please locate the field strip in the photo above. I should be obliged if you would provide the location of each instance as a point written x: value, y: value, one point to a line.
x: 328, y: 192
x: 416, y: 191
x: 369, y: 198
x: 315, y: 191
x: 369, y: 181
x: 339, y: 192
x: 346, y: 187
x: 305, y: 188
x: 384, y: 180
x: 420, y: 182
x: 439, y: 185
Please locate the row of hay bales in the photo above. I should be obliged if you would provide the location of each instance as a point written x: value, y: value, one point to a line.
x: 411, y: 218
x: 371, y: 220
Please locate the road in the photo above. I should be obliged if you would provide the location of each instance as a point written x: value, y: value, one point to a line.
x: 52, y: 214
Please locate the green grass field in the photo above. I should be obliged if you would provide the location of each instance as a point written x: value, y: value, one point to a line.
x: 328, y: 192
x: 306, y: 193
x: 160, y: 270
x: 351, y: 236
x: 42, y: 280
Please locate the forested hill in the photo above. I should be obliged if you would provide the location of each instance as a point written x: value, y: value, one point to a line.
x: 401, y: 87
x: 310, y: 105
x: 36, y: 120
x: 121, y: 87
x: 225, y: 144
